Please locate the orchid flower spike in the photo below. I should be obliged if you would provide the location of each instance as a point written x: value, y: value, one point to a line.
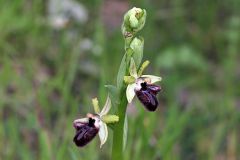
x: 142, y: 86
x: 87, y: 128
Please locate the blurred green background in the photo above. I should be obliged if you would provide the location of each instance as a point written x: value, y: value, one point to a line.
x: 56, y: 55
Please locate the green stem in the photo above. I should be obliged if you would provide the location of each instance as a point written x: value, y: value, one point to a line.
x: 117, y: 148
x: 134, y: 21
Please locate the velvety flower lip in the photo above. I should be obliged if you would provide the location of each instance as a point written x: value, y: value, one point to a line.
x: 154, y: 89
x: 85, y: 132
x: 147, y: 96
x: 87, y: 128
x: 142, y: 86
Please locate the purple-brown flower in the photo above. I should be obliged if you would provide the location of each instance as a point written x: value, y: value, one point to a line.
x: 147, y: 95
x: 87, y: 128
x: 142, y: 86
x: 85, y: 131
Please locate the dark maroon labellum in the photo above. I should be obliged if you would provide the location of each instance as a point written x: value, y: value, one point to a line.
x: 85, y: 133
x: 153, y: 88
x: 147, y: 96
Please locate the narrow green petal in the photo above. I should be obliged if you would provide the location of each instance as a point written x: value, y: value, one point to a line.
x: 142, y: 68
x: 95, y: 105
x: 110, y: 119
x: 153, y: 79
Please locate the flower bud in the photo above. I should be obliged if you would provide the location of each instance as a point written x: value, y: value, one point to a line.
x: 134, y: 20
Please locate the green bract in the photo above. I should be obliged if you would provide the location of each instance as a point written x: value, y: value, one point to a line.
x: 137, y: 47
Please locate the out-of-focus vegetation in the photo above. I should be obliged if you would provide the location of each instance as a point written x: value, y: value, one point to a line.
x: 52, y: 62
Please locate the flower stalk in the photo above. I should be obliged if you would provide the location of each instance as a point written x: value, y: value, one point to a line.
x: 134, y: 21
